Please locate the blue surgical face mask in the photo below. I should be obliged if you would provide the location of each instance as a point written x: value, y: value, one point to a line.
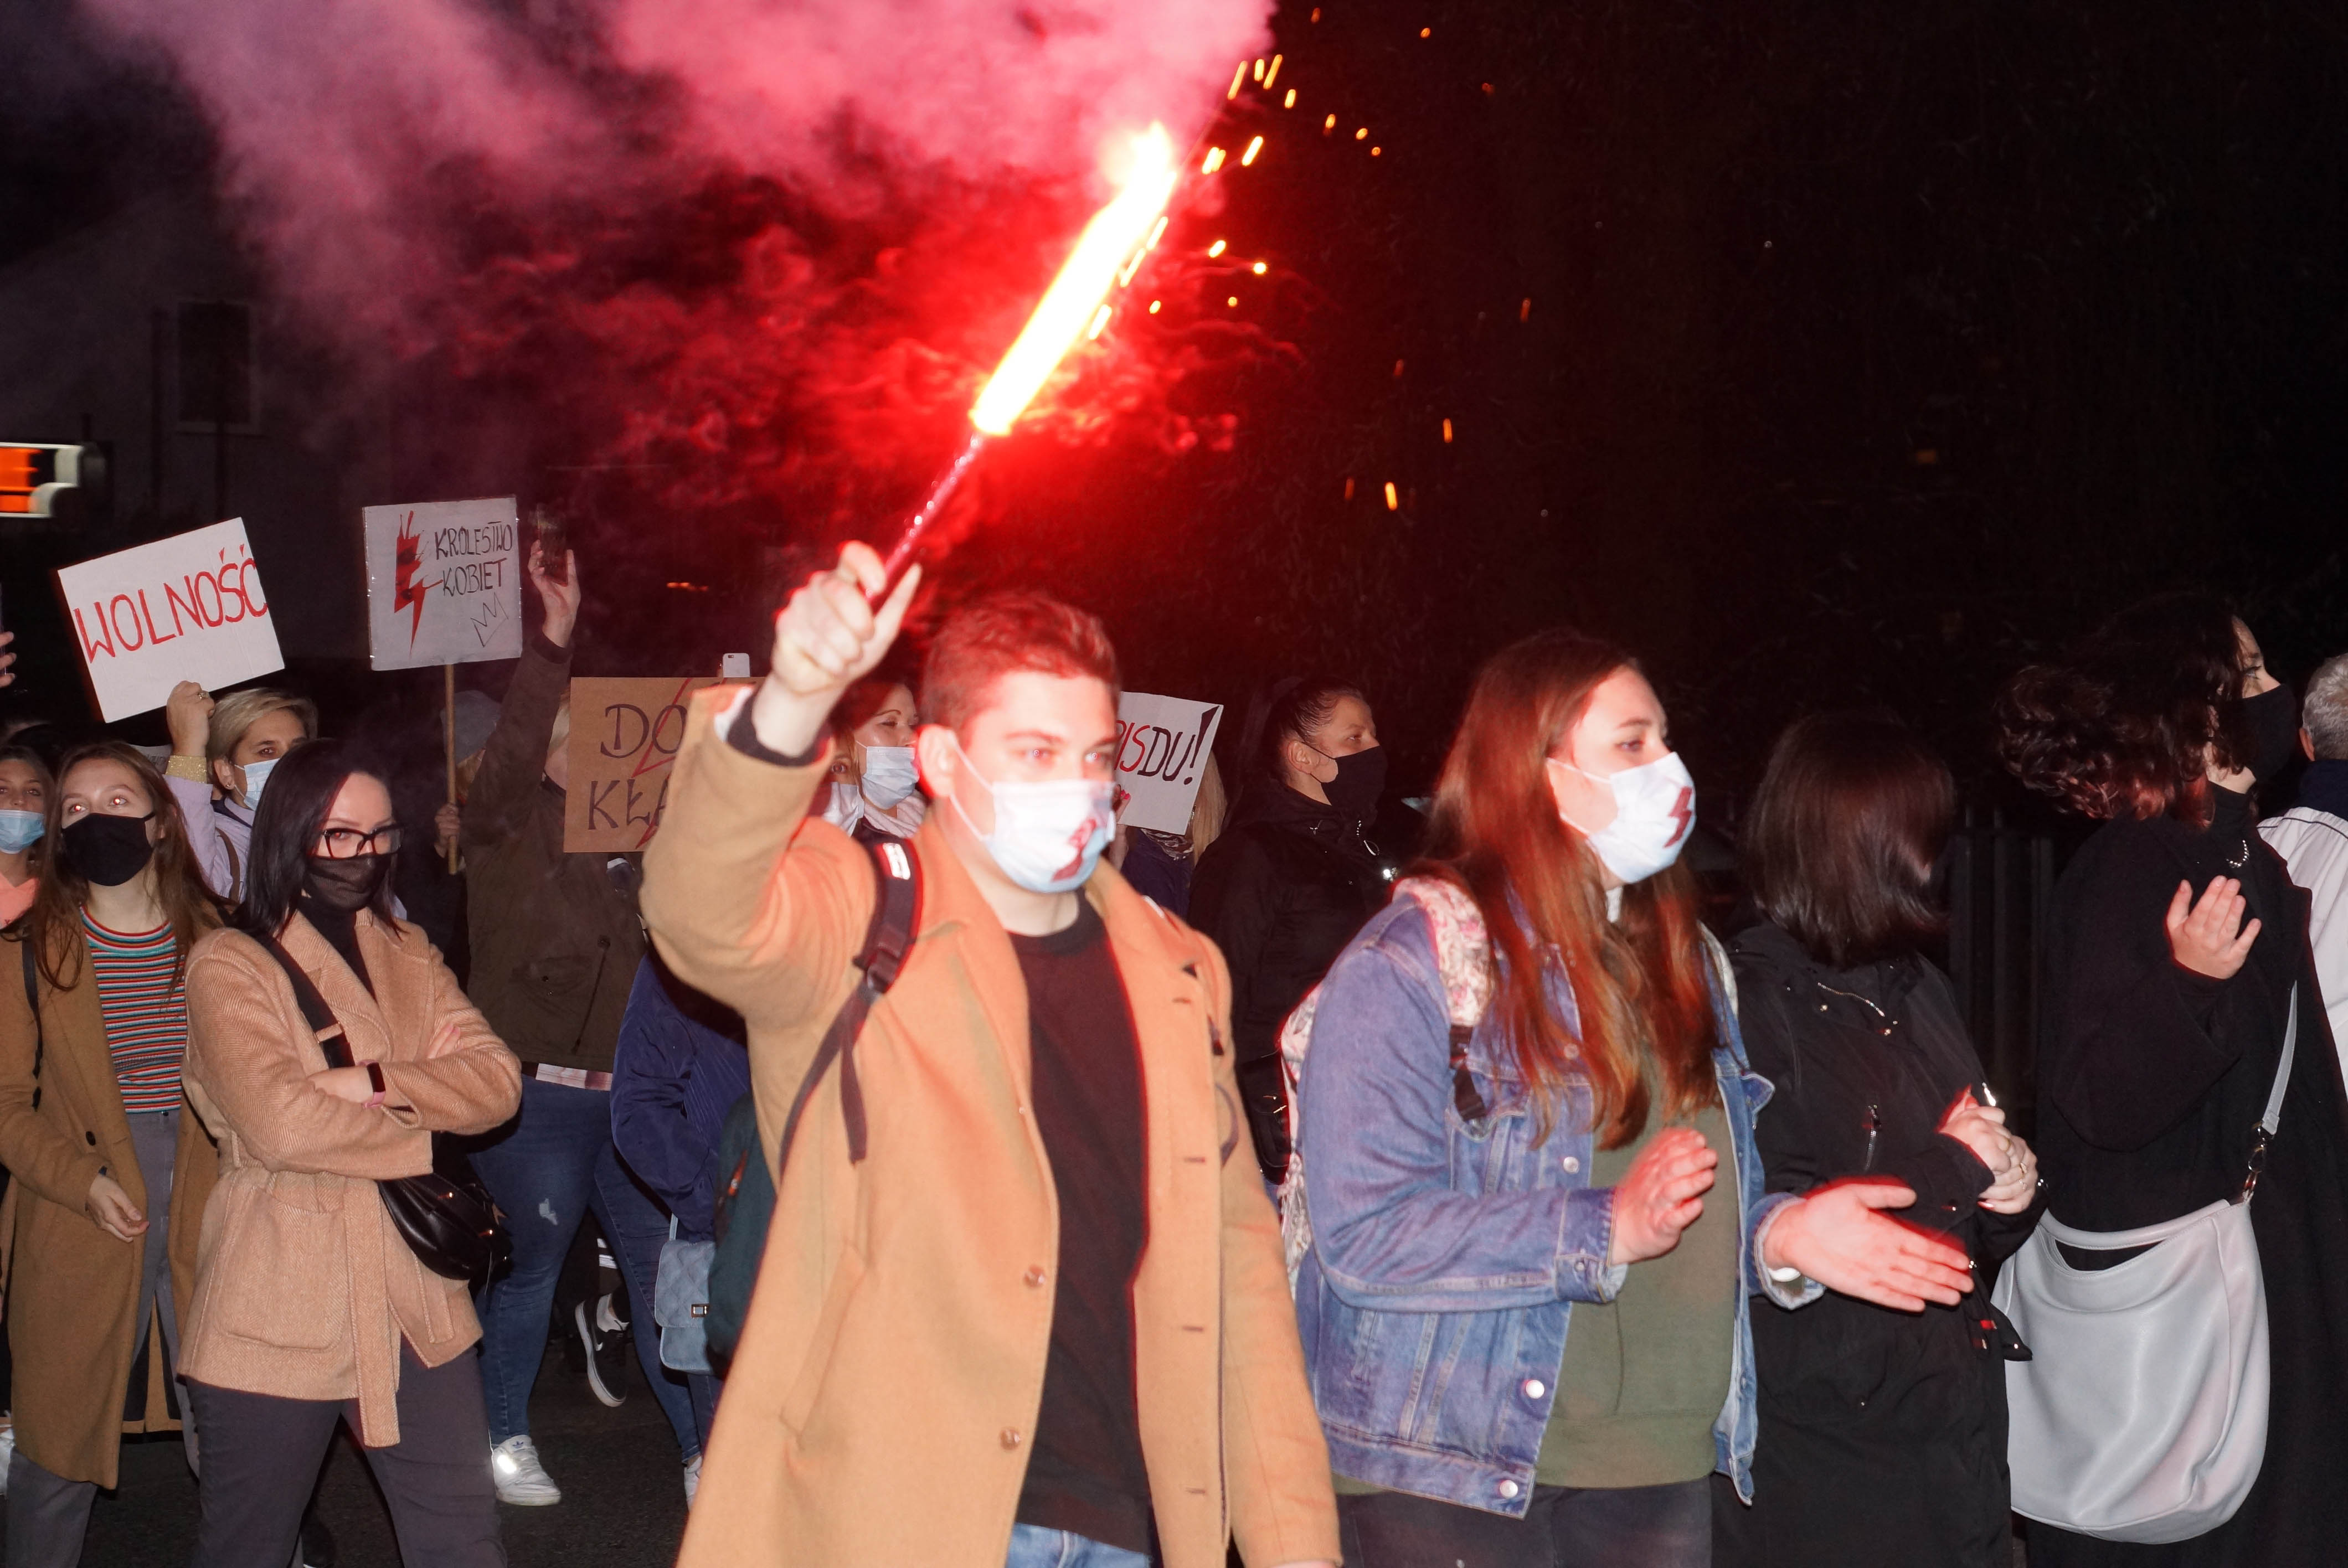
x: 889, y: 775
x: 1048, y: 835
x: 19, y: 830
x: 256, y: 779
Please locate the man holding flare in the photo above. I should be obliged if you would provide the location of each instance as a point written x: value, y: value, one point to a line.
x: 1044, y: 1317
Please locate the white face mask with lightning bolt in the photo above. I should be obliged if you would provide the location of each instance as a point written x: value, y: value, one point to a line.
x: 1654, y: 811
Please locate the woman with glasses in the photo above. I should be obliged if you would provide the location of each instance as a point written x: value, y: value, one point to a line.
x: 110, y: 1174
x: 310, y: 1309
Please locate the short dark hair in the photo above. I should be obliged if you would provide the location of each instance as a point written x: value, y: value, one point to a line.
x: 1840, y: 846
x: 293, y: 812
x: 2123, y: 726
x: 1000, y: 635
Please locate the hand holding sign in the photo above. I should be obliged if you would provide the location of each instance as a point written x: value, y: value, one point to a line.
x: 826, y: 639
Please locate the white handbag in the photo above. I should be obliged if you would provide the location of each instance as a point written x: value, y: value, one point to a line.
x: 2142, y: 1415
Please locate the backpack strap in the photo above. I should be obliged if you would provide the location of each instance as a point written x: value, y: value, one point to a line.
x: 888, y: 942
x: 323, y: 1024
x: 1463, y: 954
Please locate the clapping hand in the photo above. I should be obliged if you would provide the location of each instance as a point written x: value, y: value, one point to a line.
x: 1837, y: 1236
x: 1661, y: 1195
x: 2013, y: 1168
x: 2207, y: 936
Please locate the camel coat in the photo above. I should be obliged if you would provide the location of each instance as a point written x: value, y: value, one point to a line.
x: 303, y: 1286
x: 72, y: 1289
x: 892, y: 1364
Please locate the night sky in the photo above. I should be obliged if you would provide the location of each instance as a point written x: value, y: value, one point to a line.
x: 1825, y: 356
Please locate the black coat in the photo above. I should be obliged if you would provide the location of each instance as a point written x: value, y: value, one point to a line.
x: 1882, y: 1433
x: 1281, y: 892
x: 2150, y: 1080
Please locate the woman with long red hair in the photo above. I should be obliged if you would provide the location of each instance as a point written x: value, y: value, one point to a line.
x: 1524, y: 1300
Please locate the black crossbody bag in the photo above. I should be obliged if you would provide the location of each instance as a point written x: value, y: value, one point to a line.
x: 446, y: 1215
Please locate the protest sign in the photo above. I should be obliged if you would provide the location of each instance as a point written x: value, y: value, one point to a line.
x: 624, y: 738
x: 188, y: 608
x: 444, y: 582
x: 1162, y: 747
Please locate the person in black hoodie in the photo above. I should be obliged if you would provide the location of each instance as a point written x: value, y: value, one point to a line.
x: 1882, y: 1433
x: 1294, y: 876
x: 2174, y: 940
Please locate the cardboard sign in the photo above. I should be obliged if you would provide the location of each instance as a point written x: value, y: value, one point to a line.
x: 188, y: 608
x: 1162, y: 747
x: 624, y: 738
x: 444, y: 582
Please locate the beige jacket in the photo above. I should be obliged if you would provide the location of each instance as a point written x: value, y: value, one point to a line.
x: 72, y: 1288
x: 892, y: 1364
x: 303, y: 1287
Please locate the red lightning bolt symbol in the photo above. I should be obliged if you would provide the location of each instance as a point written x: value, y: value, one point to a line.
x: 406, y: 593
x: 1684, y: 813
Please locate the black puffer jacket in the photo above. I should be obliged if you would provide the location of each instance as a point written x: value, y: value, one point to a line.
x: 1282, y: 891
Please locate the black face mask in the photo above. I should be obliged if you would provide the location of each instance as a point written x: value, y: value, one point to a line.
x: 2273, y: 720
x: 346, y: 886
x: 109, y: 850
x: 1361, y: 780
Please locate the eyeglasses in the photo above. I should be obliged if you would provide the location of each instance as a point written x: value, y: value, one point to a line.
x: 348, y: 842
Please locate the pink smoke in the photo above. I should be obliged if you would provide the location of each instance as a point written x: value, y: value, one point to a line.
x: 784, y: 236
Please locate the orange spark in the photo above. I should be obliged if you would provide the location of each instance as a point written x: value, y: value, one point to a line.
x: 1394, y: 501
x: 1100, y: 319
x: 1290, y: 101
x: 1248, y: 157
x: 1218, y: 247
x: 1237, y: 78
x: 1214, y: 161
x: 1271, y: 73
x: 1447, y: 424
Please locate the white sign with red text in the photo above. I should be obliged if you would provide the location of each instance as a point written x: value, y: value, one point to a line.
x: 444, y: 582
x: 1162, y: 747
x: 188, y: 608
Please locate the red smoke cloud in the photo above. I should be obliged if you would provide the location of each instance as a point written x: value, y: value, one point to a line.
x: 771, y: 244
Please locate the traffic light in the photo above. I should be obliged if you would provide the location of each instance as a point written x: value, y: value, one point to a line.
x: 38, y: 481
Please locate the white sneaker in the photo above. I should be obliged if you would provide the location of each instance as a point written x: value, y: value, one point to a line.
x: 692, y: 1479
x: 521, y: 1479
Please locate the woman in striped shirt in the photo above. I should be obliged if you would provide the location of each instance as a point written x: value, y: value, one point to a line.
x: 111, y: 1171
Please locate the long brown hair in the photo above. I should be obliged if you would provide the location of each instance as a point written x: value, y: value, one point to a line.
x: 1639, y: 987
x: 55, y: 917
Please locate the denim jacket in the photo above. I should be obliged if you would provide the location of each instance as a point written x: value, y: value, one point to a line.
x: 1446, y: 1255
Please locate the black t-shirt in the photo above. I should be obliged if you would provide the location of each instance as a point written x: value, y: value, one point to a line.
x: 1085, y: 1473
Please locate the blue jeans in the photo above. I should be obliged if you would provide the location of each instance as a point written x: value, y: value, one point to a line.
x: 555, y: 1165
x: 1032, y: 1547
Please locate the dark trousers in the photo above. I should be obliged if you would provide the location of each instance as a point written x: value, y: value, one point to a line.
x: 262, y: 1455
x: 1566, y: 1527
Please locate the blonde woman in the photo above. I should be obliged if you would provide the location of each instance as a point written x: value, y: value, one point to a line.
x: 222, y: 754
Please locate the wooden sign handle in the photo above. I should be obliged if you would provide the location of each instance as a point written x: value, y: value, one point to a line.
x: 448, y: 710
